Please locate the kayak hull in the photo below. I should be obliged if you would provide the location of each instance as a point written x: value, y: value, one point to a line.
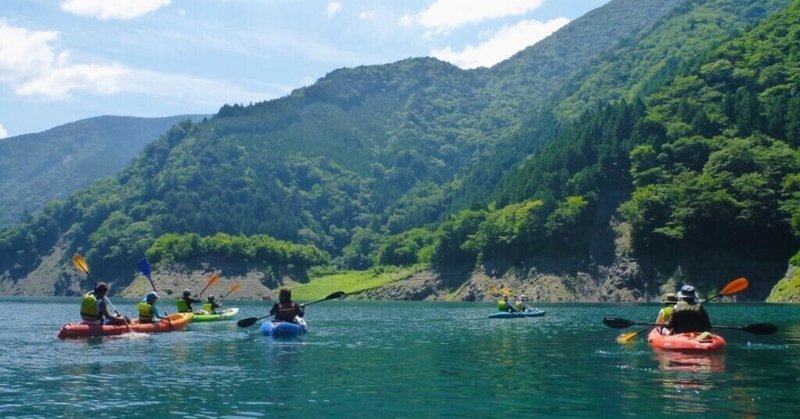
x: 284, y: 329
x: 204, y: 316
x: 81, y: 330
x: 517, y: 314
x: 685, y: 341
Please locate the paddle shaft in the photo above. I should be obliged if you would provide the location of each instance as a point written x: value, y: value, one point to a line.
x: 144, y: 266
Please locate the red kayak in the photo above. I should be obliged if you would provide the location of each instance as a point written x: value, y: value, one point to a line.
x: 693, y: 341
x: 81, y: 330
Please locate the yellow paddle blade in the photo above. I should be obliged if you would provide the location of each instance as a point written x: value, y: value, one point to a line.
x: 507, y: 291
x: 626, y: 337
x: 493, y: 289
x: 80, y: 263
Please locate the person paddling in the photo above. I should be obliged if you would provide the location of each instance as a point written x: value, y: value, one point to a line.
x: 688, y: 314
x: 94, y: 309
x: 520, y: 305
x: 147, y: 308
x: 285, y: 310
x: 185, y: 302
x: 665, y: 314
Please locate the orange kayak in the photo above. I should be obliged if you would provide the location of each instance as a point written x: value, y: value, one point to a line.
x: 80, y: 330
x: 694, y: 341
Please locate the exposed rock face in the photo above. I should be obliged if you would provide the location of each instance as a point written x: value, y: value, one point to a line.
x: 787, y: 290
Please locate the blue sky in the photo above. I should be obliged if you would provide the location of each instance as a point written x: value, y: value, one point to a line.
x: 65, y: 60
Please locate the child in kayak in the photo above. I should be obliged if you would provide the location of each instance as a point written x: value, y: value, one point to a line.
x: 147, y: 308
x: 688, y: 314
x: 520, y: 305
x: 665, y: 314
x: 211, y: 306
x: 285, y: 310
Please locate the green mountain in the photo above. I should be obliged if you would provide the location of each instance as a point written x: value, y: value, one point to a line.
x: 419, y: 161
x: 37, y: 168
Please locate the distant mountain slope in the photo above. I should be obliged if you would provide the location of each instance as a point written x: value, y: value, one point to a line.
x: 37, y: 168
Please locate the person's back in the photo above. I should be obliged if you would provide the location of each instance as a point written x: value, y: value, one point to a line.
x: 504, y: 305
x: 147, y: 310
x: 286, y: 310
x: 184, y: 304
x: 688, y: 314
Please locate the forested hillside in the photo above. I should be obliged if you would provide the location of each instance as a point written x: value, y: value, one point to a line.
x: 638, y: 112
x: 37, y: 168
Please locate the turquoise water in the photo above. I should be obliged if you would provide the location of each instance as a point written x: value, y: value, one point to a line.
x: 396, y: 359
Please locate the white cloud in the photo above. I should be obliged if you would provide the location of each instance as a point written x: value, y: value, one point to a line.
x: 3, y: 132
x: 31, y: 66
x: 112, y: 9
x: 444, y: 15
x: 367, y: 15
x: 185, y: 88
x: 333, y: 9
x: 505, y: 43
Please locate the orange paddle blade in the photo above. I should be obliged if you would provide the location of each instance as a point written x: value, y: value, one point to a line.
x: 80, y: 263
x: 737, y: 285
x: 213, y: 280
x: 234, y: 287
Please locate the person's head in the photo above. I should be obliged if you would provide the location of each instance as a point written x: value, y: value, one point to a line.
x: 670, y: 299
x: 687, y: 293
x: 211, y: 298
x: 151, y: 297
x: 101, y: 289
x: 187, y: 292
x: 521, y: 297
x: 285, y: 295
x: 505, y: 298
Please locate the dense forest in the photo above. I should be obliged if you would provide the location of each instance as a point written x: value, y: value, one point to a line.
x: 678, y: 120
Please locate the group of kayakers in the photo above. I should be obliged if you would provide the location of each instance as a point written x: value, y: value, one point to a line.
x: 185, y: 302
x: 683, y: 313
x: 519, y: 305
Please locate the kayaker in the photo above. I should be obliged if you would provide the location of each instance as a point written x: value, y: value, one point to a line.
x: 147, y: 308
x: 519, y: 305
x: 688, y: 314
x: 665, y: 314
x: 211, y: 306
x: 94, y: 309
x: 504, y: 305
x: 185, y: 302
x: 285, y: 310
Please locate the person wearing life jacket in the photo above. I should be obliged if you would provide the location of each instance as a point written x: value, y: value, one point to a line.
x: 147, y: 308
x: 285, y: 310
x: 520, y: 305
x: 504, y: 305
x: 688, y: 314
x: 94, y: 309
x: 185, y: 302
x: 211, y: 306
x: 665, y: 314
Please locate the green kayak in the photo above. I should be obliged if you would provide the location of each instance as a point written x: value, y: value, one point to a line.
x: 204, y: 316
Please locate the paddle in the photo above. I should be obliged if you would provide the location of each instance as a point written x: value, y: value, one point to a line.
x: 81, y: 265
x: 756, y: 329
x: 211, y: 281
x: 234, y: 287
x: 733, y: 287
x: 251, y: 320
x: 145, y: 268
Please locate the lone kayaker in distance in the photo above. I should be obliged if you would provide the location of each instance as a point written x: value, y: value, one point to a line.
x: 504, y: 305
x: 185, y: 302
x: 285, y: 310
x: 147, y: 308
x: 665, y: 314
x: 211, y: 306
x: 688, y: 314
x: 94, y: 308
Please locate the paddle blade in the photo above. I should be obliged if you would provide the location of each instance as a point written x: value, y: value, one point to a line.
x: 80, y: 263
x: 234, y: 288
x: 247, y: 322
x: 760, y: 328
x: 337, y: 294
x: 735, y: 286
x: 617, y: 323
x: 144, y: 267
x: 213, y: 280
x: 626, y: 337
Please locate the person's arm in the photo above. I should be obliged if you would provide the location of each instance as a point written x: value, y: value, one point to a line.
x: 301, y: 310
x: 274, y: 310
x: 154, y: 310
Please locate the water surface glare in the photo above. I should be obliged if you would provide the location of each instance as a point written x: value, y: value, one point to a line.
x: 396, y: 359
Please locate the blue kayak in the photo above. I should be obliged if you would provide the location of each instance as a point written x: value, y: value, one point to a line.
x: 283, y: 329
x: 531, y: 312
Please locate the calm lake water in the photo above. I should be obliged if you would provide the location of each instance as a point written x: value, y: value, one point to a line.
x: 396, y: 359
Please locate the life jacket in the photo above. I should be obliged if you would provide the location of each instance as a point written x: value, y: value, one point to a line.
x: 145, y: 312
x: 287, y: 312
x: 668, y: 313
x: 519, y: 306
x: 208, y: 307
x: 90, y: 308
x: 502, y: 305
x: 687, y: 317
x: 183, y: 305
